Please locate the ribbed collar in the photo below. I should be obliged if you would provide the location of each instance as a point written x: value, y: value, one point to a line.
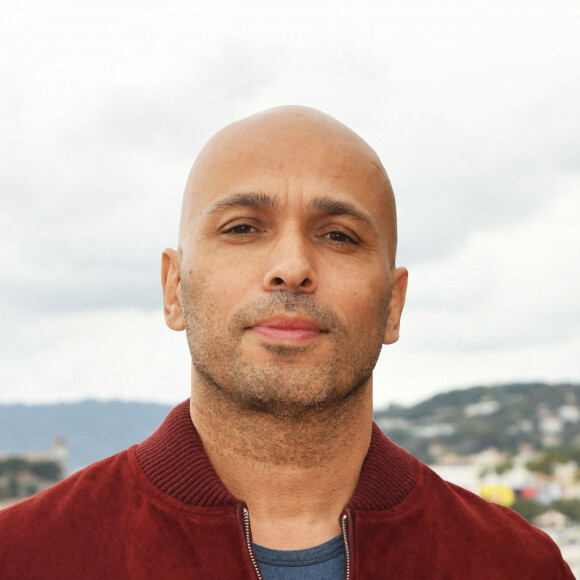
x: 174, y: 460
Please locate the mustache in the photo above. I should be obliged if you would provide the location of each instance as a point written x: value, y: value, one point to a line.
x: 281, y: 302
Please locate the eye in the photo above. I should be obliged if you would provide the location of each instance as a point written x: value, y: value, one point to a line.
x: 241, y: 229
x: 340, y: 237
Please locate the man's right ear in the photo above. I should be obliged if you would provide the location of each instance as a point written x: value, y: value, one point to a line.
x: 171, y: 284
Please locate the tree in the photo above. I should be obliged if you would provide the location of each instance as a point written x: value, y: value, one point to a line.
x: 527, y: 508
x: 46, y: 470
x: 569, y: 507
x: 13, y: 465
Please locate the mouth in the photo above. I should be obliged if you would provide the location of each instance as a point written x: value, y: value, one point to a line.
x: 288, y: 330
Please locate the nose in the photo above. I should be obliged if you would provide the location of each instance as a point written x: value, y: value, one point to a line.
x: 291, y: 266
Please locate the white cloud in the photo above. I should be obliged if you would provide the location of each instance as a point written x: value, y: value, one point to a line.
x: 119, y: 354
x: 407, y: 375
x: 472, y: 108
x: 505, y: 286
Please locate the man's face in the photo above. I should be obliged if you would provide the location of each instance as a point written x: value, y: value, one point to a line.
x: 285, y: 275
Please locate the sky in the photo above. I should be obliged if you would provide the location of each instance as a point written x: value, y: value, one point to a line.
x: 474, y: 109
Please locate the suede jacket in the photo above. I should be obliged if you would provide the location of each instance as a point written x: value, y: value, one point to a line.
x: 159, y: 511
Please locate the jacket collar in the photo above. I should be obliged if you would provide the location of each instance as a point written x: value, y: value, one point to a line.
x: 174, y: 460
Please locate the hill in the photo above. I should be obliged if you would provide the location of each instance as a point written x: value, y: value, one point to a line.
x: 93, y: 429
x: 471, y: 420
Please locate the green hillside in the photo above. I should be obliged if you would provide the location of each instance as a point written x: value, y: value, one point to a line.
x: 470, y: 420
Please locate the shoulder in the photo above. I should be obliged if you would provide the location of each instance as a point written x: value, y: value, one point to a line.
x: 444, y: 497
x: 54, y: 533
x: 69, y: 504
x: 427, y: 495
x: 435, y: 523
x: 491, y: 534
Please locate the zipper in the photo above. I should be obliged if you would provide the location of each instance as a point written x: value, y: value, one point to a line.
x: 246, y: 515
x: 346, y: 546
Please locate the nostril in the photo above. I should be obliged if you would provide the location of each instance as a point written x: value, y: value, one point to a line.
x: 306, y: 282
x: 278, y: 281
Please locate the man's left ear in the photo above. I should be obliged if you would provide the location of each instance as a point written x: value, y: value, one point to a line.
x: 396, y: 303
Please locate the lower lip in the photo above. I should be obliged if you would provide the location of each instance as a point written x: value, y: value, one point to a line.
x: 286, y: 335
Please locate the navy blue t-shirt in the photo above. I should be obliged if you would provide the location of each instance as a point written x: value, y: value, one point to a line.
x: 324, y: 562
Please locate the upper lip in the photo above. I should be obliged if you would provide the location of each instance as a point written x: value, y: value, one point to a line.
x: 290, y: 323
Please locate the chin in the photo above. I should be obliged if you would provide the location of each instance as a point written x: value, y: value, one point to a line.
x: 300, y: 404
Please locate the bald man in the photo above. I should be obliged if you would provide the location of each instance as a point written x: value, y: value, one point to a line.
x: 286, y: 284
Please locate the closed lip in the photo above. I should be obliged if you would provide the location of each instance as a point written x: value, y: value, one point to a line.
x: 288, y: 329
x: 290, y: 323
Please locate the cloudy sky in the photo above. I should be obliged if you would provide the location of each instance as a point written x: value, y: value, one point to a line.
x: 474, y: 109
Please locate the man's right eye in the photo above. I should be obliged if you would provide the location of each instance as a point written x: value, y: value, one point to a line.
x: 241, y: 229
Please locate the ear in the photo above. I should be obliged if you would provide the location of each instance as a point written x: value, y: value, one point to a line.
x: 396, y: 303
x: 171, y: 284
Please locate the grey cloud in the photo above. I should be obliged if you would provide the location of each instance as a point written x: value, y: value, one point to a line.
x: 87, y: 288
x: 176, y: 119
x: 461, y: 182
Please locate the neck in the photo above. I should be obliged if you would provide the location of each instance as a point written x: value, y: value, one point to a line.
x: 294, y: 473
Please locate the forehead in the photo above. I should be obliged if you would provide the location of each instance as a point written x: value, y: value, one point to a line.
x: 296, y: 160
x: 304, y: 162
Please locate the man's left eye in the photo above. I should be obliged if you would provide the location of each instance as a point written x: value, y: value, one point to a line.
x: 341, y: 237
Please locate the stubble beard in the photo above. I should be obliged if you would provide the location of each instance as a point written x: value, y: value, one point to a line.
x: 284, y: 388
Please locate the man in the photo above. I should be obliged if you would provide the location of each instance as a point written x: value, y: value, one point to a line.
x: 286, y: 284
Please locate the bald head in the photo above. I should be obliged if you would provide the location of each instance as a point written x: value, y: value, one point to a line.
x: 285, y: 278
x: 288, y: 145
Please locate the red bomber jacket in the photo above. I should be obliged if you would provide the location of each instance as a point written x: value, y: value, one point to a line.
x: 159, y: 511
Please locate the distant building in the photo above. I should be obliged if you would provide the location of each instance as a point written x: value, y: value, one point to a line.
x: 551, y: 426
x: 483, y: 408
x: 23, y: 474
x: 569, y: 413
x: 57, y: 454
x: 551, y: 519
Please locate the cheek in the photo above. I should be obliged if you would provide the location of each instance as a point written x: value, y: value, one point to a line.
x: 217, y: 291
x: 361, y: 302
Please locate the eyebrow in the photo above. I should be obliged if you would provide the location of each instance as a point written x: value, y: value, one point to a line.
x: 328, y: 206
x: 252, y: 199
x: 319, y: 205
